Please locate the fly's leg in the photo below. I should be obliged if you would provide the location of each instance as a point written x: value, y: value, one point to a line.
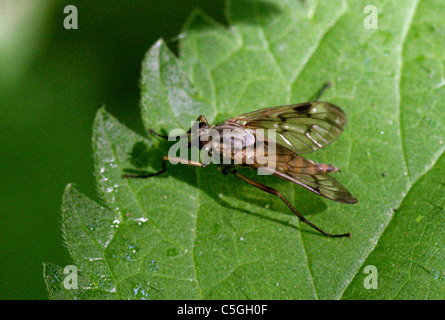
x: 200, y: 119
x: 278, y: 194
x: 164, y: 167
x: 158, y: 134
x: 166, y: 137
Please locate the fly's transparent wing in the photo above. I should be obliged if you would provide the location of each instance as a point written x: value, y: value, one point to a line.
x: 308, y: 174
x: 321, y: 184
x: 302, y: 128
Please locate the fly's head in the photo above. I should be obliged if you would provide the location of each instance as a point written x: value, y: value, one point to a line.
x: 200, y: 134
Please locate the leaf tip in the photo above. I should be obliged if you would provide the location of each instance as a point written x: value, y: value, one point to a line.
x: 69, y: 191
x: 198, y: 19
x: 102, y: 117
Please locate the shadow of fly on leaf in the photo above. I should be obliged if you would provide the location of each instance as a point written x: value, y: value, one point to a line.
x: 271, y: 140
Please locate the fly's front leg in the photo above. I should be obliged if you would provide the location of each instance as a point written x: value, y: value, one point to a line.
x: 167, y: 137
x: 278, y: 194
x: 184, y: 161
x: 201, y: 119
x: 158, y: 134
x: 164, y: 167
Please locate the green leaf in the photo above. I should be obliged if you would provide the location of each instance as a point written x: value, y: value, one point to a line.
x: 410, y: 254
x: 193, y: 233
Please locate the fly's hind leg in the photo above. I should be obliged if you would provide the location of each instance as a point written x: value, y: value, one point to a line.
x: 278, y: 194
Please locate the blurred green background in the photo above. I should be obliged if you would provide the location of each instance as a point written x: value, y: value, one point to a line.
x: 52, y: 81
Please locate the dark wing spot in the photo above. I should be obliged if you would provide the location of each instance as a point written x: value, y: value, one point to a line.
x: 303, y: 108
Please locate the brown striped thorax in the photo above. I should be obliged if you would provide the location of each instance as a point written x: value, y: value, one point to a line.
x: 232, y: 144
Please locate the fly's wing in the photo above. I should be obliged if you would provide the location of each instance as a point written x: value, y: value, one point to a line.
x: 302, y: 128
x: 308, y: 174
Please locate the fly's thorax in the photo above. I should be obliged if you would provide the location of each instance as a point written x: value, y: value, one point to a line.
x: 229, y: 142
x: 237, y: 143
